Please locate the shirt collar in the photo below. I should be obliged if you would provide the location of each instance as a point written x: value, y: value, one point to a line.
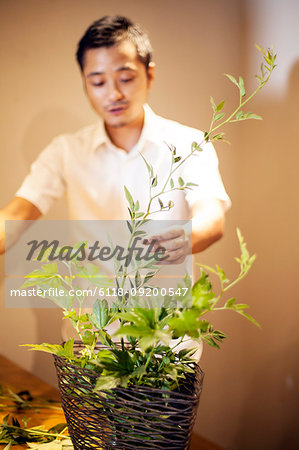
x: 149, y: 132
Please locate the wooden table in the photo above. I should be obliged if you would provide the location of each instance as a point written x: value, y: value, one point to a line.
x: 18, y: 379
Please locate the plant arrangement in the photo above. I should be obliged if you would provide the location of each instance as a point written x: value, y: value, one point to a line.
x: 145, y: 355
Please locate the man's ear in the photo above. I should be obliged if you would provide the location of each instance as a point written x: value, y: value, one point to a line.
x: 151, y: 73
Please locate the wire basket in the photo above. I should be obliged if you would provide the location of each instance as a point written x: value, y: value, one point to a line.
x: 135, y: 417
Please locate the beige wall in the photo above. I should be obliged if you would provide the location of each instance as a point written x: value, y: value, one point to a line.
x: 250, y: 395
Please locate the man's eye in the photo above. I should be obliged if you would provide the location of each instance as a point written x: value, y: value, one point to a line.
x: 101, y: 83
x: 126, y: 80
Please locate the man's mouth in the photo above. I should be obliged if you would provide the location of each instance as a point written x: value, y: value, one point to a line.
x: 117, y: 109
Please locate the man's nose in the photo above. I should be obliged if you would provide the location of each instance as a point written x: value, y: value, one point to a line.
x: 114, y: 93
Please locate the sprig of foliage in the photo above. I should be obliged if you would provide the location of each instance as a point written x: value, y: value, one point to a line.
x: 24, y: 400
x: 147, y: 358
x: 266, y: 69
x: 12, y: 433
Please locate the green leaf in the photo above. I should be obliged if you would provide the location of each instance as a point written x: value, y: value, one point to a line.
x: 141, y: 370
x: 219, y: 116
x: 221, y: 274
x: 160, y: 202
x: 36, y: 274
x: 131, y: 213
x: 244, y: 251
x: 154, y: 181
x: 68, y: 351
x: 202, y: 292
x: 185, y: 323
x: 240, y: 306
x: 242, y: 87
x: 218, y: 137
x: 130, y: 330
x: 187, y: 353
x: 210, y: 341
x: 260, y: 49
x: 50, y: 269
x: 148, y: 166
x: 181, y: 181
x: 105, y: 383
x: 147, y: 341
x: 213, y: 104
x: 101, y: 313
x: 31, y: 282
x: 171, y: 183
x: 250, y: 115
x: 88, y: 338
x: 129, y: 197
x: 220, y: 106
x: 139, y: 214
x: 230, y: 303
x: 129, y: 226
x: 218, y: 335
x: 166, y: 360
x: 232, y: 79
x: 250, y: 318
x: 139, y: 233
x: 137, y: 279
x: 48, y: 348
x: 148, y: 276
x: 195, y: 147
x: 244, y: 116
x: 128, y: 315
x: 203, y: 326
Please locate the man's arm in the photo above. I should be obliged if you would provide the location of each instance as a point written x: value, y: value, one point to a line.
x: 207, y: 223
x: 18, y: 209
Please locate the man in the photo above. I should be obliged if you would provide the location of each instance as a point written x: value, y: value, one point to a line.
x: 94, y: 164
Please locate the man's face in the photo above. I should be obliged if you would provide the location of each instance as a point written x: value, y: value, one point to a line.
x: 116, y: 83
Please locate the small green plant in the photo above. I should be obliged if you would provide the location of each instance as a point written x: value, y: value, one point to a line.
x: 144, y: 355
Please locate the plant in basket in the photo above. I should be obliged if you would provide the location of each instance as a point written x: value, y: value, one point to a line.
x: 131, y: 380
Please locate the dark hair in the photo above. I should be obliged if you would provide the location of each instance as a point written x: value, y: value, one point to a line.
x: 111, y: 30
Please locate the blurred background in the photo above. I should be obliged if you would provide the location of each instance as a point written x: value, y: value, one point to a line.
x: 250, y: 396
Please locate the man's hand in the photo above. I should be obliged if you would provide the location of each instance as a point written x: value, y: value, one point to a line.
x: 174, y: 244
x: 179, y: 242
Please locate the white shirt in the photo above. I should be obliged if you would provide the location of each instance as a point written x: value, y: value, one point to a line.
x: 93, y: 172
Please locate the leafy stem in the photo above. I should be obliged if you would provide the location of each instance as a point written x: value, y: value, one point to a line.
x: 267, y: 68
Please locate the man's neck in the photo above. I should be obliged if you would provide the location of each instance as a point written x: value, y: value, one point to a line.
x: 126, y: 136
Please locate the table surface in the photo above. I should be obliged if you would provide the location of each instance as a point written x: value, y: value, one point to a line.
x: 18, y: 379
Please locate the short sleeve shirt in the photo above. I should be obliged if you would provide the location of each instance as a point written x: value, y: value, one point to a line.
x: 92, y: 172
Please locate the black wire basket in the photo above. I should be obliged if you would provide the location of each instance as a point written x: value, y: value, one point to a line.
x: 135, y: 417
